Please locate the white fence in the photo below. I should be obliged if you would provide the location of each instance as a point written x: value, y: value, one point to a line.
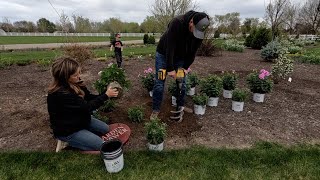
x: 75, y: 34
x: 301, y: 36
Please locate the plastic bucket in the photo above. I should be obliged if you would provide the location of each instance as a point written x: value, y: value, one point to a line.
x: 112, y: 155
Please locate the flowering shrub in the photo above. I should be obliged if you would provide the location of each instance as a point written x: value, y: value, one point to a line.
x: 282, y: 68
x: 233, y: 45
x: 148, y: 79
x: 229, y: 80
x: 260, y: 82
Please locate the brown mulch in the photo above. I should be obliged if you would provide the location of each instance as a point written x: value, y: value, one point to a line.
x: 289, y: 116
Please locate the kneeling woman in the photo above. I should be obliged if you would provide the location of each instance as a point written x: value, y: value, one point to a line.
x: 70, y: 105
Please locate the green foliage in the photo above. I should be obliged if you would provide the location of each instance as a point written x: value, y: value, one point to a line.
x: 172, y: 88
x: 97, y: 115
x: 44, y: 63
x: 211, y: 86
x: 112, y: 37
x: 136, y: 114
x: 110, y: 74
x: 148, y: 79
x: 201, y: 99
x: 239, y: 95
x: 108, y: 106
x: 258, y: 84
x: 192, y: 79
x: 229, y: 80
x: 310, y: 58
x: 258, y: 38
x: 294, y: 49
x: 216, y: 34
x: 151, y: 40
x: 145, y: 39
x: 156, y: 131
x: 233, y: 45
x: 272, y: 51
x: 282, y: 68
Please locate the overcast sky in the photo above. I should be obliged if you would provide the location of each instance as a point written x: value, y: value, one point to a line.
x: 126, y: 10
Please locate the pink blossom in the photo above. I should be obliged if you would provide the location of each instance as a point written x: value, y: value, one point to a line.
x: 261, y: 76
x: 149, y: 70
x: 145, y: 71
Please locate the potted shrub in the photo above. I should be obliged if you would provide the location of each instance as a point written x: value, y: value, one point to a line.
x: 229, y: 83
x: 156, y: 132
x: 200, y: 102
x: 192, y: 81
x: 172, y: 89
x: 212, y: 87
x: 260, y: 84
x: 148, y: 80
x: 110, y: 75
x: 136, y: 114
x: 238, y: 98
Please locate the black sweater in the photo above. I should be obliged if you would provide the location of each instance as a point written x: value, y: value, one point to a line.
x: 179, y: 42
x: 69, y: 112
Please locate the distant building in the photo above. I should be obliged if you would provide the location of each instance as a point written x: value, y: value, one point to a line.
x: 2, y: 32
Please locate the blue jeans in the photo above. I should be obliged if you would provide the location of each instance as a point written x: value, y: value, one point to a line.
x: 158, y: 88
x: 88, y: 139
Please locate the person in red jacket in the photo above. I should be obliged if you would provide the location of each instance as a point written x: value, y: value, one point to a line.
x: 70, y: 105
x: 177, y: 49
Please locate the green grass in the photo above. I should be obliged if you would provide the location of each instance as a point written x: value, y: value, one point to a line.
x: 311, y: 55
x: 266, y: 161
x: 27, y: 57
x: 56, y: 39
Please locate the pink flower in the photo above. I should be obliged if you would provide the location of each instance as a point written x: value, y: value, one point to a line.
x: 261, y: 76
x: 149, y: 70
x: 145, y: 71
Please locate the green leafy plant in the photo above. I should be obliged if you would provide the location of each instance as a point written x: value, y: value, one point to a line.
x: 260, y: 82
x: 145, y: 38
x: 155, y: 130
x: 136, y: 114
x: 311, y: 58
x: 151, y: 40
x: 239, y: 95
x: 258, y: 38
x: 110, y: 74
x: 272, y: 50
x: 192, y: 79
x: 201, y: 99
x: 148, y: 79
x: 108, y: 106
x: 233, y: 45
x: 211, y: 86
x: 282, y: 68
x: 294, y: 49
x: 229, y: 80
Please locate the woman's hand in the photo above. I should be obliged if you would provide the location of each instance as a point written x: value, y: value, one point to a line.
x: 112, y: 92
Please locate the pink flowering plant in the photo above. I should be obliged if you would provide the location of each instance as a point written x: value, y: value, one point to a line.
x: 148, y: 79
x: 260, y: 82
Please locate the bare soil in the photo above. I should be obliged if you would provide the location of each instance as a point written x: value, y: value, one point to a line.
x: 290, y: 114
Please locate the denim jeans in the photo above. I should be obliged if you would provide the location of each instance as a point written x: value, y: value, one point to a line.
x: 158, y: 88
x: 118, y: 56
x: 88, y: 139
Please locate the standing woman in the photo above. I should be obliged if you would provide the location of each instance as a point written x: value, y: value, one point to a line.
x: 70, y: 106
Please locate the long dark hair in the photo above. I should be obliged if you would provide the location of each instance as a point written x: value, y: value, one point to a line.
x: 61, y: 70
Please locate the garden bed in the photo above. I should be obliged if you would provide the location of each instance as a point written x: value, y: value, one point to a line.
x: 289, y: 116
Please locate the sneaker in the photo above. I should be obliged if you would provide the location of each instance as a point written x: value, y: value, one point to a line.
x: 154, y: 114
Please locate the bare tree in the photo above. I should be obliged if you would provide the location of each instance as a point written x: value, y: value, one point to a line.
x: 291, y: 16
x: 165, y: 10
x: 310, y: 15
x: 275, y: 15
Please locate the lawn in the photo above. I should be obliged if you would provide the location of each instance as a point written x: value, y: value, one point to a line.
x: 26, y: 57
x: 264, y: 161
x: 56, y: 39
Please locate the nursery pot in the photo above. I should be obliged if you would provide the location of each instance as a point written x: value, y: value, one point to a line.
x: 112, y: 155
x: 257, y: 97
x: 213, y: 101
x: 199, y: 109
x: 227, y: 94
x: 150, y: 93
x: 237, y: 106
x: 191, y: 91
x: 173, y: 100
x: 155, y: 147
